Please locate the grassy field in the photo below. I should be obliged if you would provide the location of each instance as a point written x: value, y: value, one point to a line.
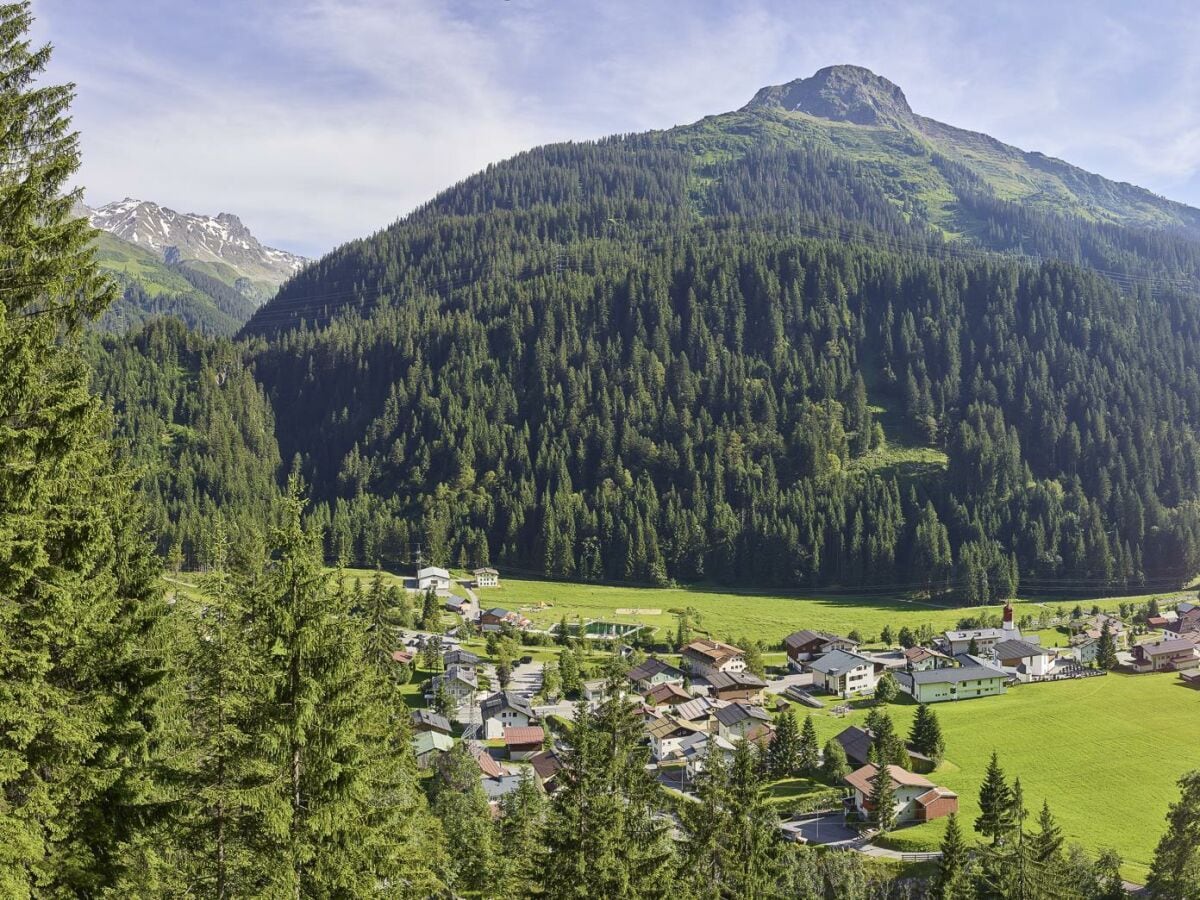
x: 728, y: 614
x: 1105, y: 752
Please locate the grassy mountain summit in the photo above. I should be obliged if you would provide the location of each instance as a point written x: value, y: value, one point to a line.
x: 818, y: 340
x: 869, y: 119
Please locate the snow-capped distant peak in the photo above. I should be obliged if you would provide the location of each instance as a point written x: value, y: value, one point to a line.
x: 194, y: 237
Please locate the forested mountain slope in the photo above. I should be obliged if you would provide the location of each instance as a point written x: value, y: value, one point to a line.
x: 738, y: 350
x: 193, y: 426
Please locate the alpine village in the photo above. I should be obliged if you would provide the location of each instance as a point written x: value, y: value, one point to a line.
x: 803, y: 502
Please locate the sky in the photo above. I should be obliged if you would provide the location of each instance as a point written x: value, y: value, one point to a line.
x: 318, y: 121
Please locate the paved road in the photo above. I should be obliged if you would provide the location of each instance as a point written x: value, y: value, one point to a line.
x: 779, y: 685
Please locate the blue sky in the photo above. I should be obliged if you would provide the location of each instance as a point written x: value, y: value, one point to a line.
x: 318, y: 121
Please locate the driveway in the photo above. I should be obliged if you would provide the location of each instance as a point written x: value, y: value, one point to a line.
x: 799, y: 679
x: 829, y: 830
x: 526, y: 679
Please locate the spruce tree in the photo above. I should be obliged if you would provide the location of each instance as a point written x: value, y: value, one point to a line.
x: 224, y: 770
x: 1175, y: 871
x: 883, y: 796
x: 1106, y: 648
x: 462, y: 807
x: 80, y: 609
x: 605, y: 837
x: 810, y: 749
x: 521, y: 834
x: 326, y: 723
x: 952, y: 881
x: 834, y: 766
x: 926, y: 734
x: 995, y: 818
x: 783, y: 754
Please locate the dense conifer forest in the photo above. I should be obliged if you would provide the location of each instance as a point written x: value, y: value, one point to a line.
x: 713, y: 354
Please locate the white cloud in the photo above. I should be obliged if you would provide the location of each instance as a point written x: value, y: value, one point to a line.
x: 333, y: 117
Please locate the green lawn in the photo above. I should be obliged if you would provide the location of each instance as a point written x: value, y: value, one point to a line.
x: 1105, y: 752
x: 729, y: 614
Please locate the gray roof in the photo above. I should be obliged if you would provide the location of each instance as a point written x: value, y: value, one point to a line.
x: 1175, y: 645
x: 954, y: 675
x: 498, y: 611
x: 857, y: 744
x: 807, y: 636
x: 460, y: 657
x: 495, y: 704
x: 430, y: 719
x: 736, y: 680
x: 740, y: 712
x: 839, y: 661
x: 1013, y: 649
x: 495, y: 788
x: 651, y: 667
x: 988, y: 634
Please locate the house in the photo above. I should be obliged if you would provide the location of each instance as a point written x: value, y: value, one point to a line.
x: 985, y: 639
x: 653, y: 672
x: 428, y: 720
x: 1022, y: 659
x: 486, y: 577
x: 665, y: 735
x: 429, y: 745
x: 856, y: 742
x: 459, y: 657
x: 706, y: 658
x: 918, y: 659
x: 460, y: 683
x: 737, y: 720
x: 454, y: 604
x: 694, y: 751
x: 433, y: 577
x: 1169, y: 655
x: 593, y: 691
x: 497, y: 615
x: 1159, y: 622
x: 546, y: 766
x: 496, y: 789
x: 503, y: 710
x: 700, y: 711
x: 737, y: 686
x: 403, y: 657
x: 917, y: 798
x: 844, y: 674
x: 523, y: 742
x: 974, y: 678
x: 1086, y: 648
x: 802, y: 646
x: 488, y: 766
x: 1187, y: 618
x: 667, y: 695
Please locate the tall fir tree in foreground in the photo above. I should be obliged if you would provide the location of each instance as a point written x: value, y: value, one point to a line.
x: 79, y: 606
x: 221, y: 768
x: 1176, y: 868
x: 605, y: 837
x: 350, y: 799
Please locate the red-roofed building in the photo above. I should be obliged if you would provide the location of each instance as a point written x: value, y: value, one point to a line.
x: 917, y: 798
x: 524, y: 742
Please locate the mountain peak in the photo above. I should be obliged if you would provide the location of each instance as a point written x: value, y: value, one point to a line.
x: 841, y: 93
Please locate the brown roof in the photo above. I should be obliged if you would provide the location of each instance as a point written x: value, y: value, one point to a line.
x: 666, y: 726
x: 862, y: 779
x: 546, y: 764
x: 518, y: 735
x: 935, y: 793
x: 668, y: 693
x: 402, y: 656
x: 487, y: 765
x: 713, y: 651
x: 1157, y: 621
